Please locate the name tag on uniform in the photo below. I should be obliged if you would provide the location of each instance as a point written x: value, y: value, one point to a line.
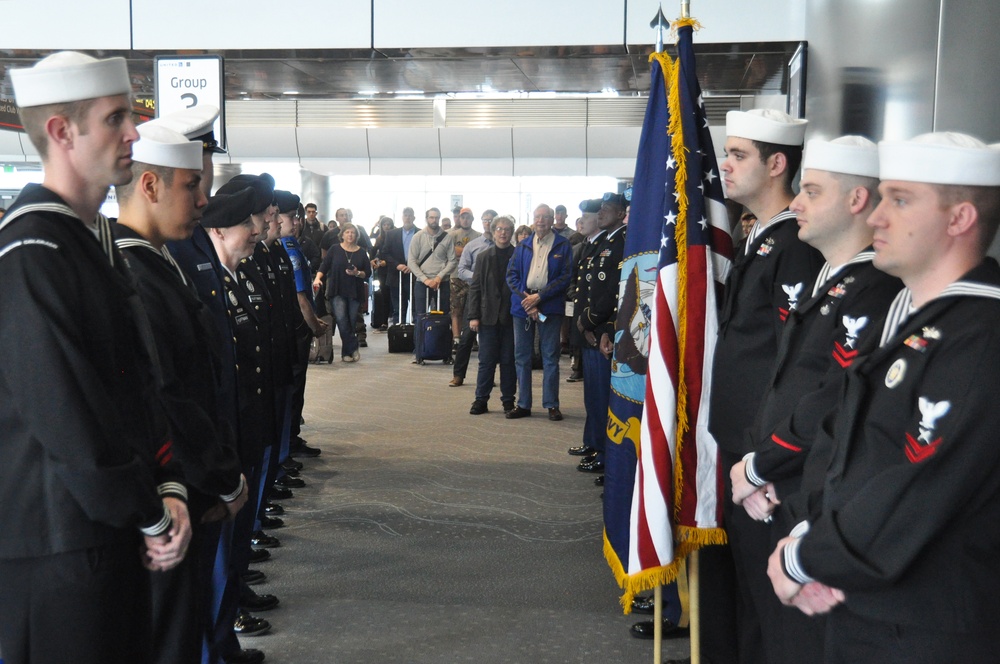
x: 204, y: 266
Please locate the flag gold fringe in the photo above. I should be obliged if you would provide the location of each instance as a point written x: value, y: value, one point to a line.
x: 636, y: 583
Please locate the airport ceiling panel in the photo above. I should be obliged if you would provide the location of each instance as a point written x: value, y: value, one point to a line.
x: 332, y: 143
x: 464, y: 143
x: 404, y: 143
x: 613, y: 142
x: 731, y: 69
x: 550, y: 142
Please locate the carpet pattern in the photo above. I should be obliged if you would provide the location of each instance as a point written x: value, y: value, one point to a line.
x: 427, y: 535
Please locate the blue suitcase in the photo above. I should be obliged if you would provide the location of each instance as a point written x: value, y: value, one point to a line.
x: 432, y: 337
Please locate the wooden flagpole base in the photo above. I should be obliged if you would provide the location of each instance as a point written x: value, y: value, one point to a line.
x: 658, y: 624
x: 694, y: 590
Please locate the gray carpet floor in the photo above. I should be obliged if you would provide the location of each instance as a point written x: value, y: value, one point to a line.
x: 426, y: 534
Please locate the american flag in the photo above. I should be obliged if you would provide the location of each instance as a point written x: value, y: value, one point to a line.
x: 662, y: 490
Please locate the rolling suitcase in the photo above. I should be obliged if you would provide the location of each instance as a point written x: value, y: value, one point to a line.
x: 433, y: 339
x: 401, y: 334
x: 321, y: 348
x: 380, y: 307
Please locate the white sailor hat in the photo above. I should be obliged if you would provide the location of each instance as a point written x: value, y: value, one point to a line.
x: 767, y: 126
x: 853, y: 155
x: 160, y: 146
x: 69, y: 76
x: 196, y: 123
x: 940, y: 158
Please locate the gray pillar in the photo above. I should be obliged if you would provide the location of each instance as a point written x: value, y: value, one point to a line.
x: 224, y: 173
x: 316, y: 189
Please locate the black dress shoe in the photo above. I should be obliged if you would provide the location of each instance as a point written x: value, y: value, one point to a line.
x: 248, y: 625
x: 290, y: 472
x: 575, y: 377
x: 478, y: 407
x: 259, y: 555
x: 271, y: 522
x: 644, y: 605
x: 581, y: 450
x: 590, y: 457
x: 363, y: 344
x: 644, y: 630
x: 273, y: 509
x: 287, y: 482
x: 245, y: 656
x: 555, y: 414
x: 508, y: 406
x: 280, y: 493
x: 517, y: 413
x: 303, y: 450
x: 292, y: 464
x: 264, y: 541
x: 594, y: 466
x: 251, y: 601
x: 252, y: 577
x: 599, y: 481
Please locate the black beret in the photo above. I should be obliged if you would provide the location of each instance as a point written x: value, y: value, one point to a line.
x: 615, y: 199
x: 286, y: 201
x: 591, y: 205
x: 263, y: 184
x: 228, y: 210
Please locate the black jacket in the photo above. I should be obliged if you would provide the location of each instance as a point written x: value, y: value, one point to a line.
x: 204, y: 443
x: 907, y: 526
x: 821, y: 339
x: 761, y: 289
x: 76, y: 388
x: 489, y: 298
x: 391, y: 250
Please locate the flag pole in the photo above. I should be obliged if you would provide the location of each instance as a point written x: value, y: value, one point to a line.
x: 694, y: 587
x: 659, y: 23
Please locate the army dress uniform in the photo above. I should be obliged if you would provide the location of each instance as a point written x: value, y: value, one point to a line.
x: 260, y: 284
x: 295, y: 333
x: 911, y: 497
x: 597, y: 304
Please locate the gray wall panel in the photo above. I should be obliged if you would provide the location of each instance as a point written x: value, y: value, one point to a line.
x: 968, y: 91
x: 871, y: 67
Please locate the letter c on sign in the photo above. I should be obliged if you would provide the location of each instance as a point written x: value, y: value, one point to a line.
x: 191, y: 99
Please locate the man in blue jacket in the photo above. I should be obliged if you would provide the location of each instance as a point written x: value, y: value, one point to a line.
x: 538, y: 276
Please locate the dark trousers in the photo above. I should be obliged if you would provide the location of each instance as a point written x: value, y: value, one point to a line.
x: 181, y: 617
x: 596, y: 395
x: 717, y: 580
x: 852, y: 638
x: 496, y: 346
x: 233, y: 559
x: 791, y: 636
x: 90, y: 606
x: 464, y: 352
x: 750, y: 541
x: 303, y: 341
